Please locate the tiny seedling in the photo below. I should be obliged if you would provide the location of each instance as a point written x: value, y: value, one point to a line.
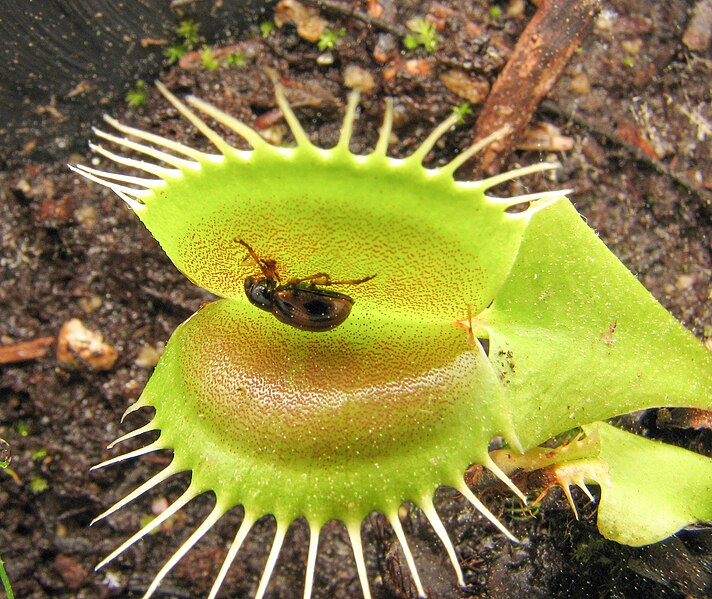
x: 327, y: 40
x: 495, y: 12
x: 235, y: 59
x: 208, y: 59
x: 188, y: 37
x: 38, y: 484
x: 266, y: 28
x: 189, y: 32
x: 462, y: 111
x: 174, y: 53
x: 423, y: 35
x: 138, y: 96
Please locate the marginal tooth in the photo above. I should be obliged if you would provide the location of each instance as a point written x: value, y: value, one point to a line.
x: 398, y: 529
x: 247, y: 133
x: 488, y: 463
x: 119, y: 190
x: 462, y: 488
x: 516, y: 173
x: 531, y: 197
x: 135, y: 206
x: 576, y: 473
x: 420, y: 154
x: 155, y: 446
x: 137, y: 405
x: 199, y: 532
x: 135, y: 433
x: 464, y: 156
x: 214, y: 137
x: 349, y: 116
x: 148, y: 183
x: 384, y: 133
x: 354, y: 529
x: 567, y: 491
x: 582, y: 485
x: 272, y: 559
x: 294, y: 125
x: 426, y: 504
x: 247, y: 521
x: 314, y: 531
x: 155, y: 169
x: 187, y: 496
x: 158, y: 140
x: 155, y: 480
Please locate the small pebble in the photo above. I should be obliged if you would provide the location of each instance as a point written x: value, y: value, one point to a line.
x: 472, y: 89
x: 357, y: 78
x: 699, y: 29
x: 79, y: 346
x: 149, y: 355
x: 580, y: 84
x: 90, y: 304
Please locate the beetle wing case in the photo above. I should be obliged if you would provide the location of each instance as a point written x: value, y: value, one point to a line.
x: 311, y: 309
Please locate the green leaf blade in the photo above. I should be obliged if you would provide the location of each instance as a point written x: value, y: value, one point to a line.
x: 576, y: 338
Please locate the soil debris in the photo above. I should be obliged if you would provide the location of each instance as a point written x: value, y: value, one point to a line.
x: 26, y: 350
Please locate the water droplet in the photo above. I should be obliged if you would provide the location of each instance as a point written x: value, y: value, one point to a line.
x: 5, y: 454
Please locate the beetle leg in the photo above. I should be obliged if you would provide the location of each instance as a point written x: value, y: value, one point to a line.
x: 268, y: 267
x: 320, y: 278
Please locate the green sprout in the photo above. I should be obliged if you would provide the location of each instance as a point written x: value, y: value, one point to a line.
x: 462, y: 111
x: 327, y: 40
x: 188, y: 31
x: 174, y: 53
x: 5, y: 581
x: 138, y: 96
x: 207, y: 59
x: 38, y: 484
x: 293, y: 399
x: 5, y: 459
x: 495, y: 12
x: 266, y: 28
x: 516, y: 510
x: 39, y: 455
x: 188, y: 38
x: 424, y: 34
x: 235, y: 59
x: 629, y: 62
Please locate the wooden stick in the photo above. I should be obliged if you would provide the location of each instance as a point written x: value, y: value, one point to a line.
x: 538, y: 60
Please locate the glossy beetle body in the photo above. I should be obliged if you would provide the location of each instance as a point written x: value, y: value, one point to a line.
x: 305, y: 307
x: 299, y: 302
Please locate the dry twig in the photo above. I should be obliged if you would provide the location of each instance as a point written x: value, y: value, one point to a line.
x: 538, y: 59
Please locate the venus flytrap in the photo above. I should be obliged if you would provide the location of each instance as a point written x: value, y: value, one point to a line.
x: 402, y: 396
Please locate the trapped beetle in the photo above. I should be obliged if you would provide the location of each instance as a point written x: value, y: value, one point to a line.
x: 299, y: 302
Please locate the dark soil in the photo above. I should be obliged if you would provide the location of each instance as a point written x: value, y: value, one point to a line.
x: 70, y: 249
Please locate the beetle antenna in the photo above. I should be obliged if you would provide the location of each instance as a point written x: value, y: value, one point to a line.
x: 323, y: 279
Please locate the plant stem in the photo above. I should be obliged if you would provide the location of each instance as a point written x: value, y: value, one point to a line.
x: 5, y: 581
